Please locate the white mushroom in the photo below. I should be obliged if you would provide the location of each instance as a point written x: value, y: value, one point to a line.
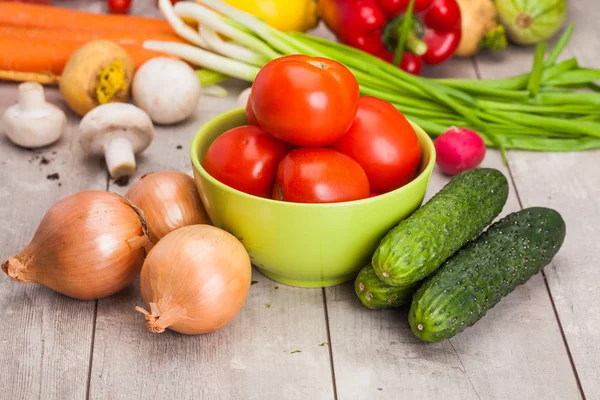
x: 33, y: 122
x: 167, y: 89
x: 119, y: 131
x: 242, y: 99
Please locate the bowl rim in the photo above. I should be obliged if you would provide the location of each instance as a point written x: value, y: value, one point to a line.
x: 218, y: 120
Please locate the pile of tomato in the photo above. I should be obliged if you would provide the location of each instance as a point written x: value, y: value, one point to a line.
x: 311, y: 138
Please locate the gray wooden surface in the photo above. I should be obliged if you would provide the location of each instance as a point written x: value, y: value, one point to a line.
x: 541, y: 342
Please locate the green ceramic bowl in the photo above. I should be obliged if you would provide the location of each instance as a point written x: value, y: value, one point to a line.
x: 308, y: 245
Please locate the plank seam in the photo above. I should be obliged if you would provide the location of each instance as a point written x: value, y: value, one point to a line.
x: 331, y: 365
x: 94, y: 322
x: 89, y: 377
x: 549, y: 292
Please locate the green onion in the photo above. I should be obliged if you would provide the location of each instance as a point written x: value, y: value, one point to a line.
x: 538, y: 111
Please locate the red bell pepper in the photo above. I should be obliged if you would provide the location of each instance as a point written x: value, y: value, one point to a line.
x: 374, y: 26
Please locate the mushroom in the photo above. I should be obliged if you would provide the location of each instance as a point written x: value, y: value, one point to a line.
x: 167, y: 89
x: 33, y: 122
x: 119, y: 131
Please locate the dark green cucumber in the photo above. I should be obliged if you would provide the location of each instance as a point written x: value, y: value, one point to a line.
x: 475, y: 279
x: 376, y: 295
x: 455, y: 215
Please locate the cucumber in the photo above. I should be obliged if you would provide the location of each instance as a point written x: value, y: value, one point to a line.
x: 376, y: 295
x: 455, y: 215
x: 475, y: 279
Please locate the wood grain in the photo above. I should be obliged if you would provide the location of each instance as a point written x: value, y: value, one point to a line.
x: 569, y: 183
x: 45, y: 338
x: 516, y: 351
x: 270, y: 351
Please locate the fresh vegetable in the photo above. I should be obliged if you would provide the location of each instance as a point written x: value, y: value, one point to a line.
x: 384, y: 143
x: 477, y: 277
x: 88, y: 245
x: 97, y: 73
x: 305, y: 101
x: 532, y: 21
x: 167, y: 89
x: 118, y: 6
x: 169, y: 200
x: 479, y: 27
x: 504, y: 112
x: 47, y: 58
x: 285, y: 15
x: 319, y: 175
x: 48, y: 17
x: 455, y: 215
x: 33, y: 122
x: 195, y: 280
x: 250, y: 117
x: 458, y: 150
x: 244, y: 96
x: 377, y: 26
x: 245, y: 158
x: 118, y: 131
x: 376, y: 295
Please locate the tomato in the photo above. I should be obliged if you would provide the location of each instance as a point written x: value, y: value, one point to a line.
x: 306, y: 101
x: 319, y: 175
x: 246, y: 159
x: 250, y: 117
x: 118, y: 6
x: 384, y: 143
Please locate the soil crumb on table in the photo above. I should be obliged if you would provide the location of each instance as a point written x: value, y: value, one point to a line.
x: 53, y: 177
x: 122, y: 181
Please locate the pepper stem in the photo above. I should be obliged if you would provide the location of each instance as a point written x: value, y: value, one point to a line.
x: 415, y: 45
x: 494, y: 39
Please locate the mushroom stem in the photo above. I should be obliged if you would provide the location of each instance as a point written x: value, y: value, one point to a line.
x: 120, y: 158
x: 31, y: 96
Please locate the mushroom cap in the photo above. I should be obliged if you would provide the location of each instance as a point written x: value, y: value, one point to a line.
x: 115, y: 120
x: 167, y: 89
x: 33, y: 122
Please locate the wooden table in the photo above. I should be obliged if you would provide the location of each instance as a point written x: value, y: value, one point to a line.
x: 540, y: 342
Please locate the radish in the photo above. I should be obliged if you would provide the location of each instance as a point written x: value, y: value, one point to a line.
x: 459, y: 149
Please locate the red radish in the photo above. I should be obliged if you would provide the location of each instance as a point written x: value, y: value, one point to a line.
x: 459, y: 149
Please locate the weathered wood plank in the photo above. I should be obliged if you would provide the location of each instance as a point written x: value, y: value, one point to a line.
x: 569, y: 182
x: 252, y: 358
x: 516, y: 351
x: 46, y: 338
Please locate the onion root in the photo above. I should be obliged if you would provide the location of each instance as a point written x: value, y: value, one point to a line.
x: 159, y: 321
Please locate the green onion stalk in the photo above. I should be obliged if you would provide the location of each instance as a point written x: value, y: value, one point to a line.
x: 543, y: 110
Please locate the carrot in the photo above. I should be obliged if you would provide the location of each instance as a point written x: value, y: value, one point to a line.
x: 50, y: 56
x: 51, y: 17
x: 122, y: 38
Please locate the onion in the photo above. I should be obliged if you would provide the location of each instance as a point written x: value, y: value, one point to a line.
x: 195, y: 280
x: 169, y: 200
x: 88, y: 245
x: 531, y: 21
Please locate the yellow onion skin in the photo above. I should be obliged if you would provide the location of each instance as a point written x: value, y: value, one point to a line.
x: 88, y: 245
x: 169, y: 200
x: 195, y: 280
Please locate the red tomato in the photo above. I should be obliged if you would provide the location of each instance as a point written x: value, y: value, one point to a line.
x: 250, y: 117
x: 306, y: 101
x: 119, y: 6
x: 384, y: 143
x: 246, y: 159
x: 319, y: 175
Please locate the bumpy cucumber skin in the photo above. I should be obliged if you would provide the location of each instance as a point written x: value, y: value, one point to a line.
x: 376, y: 295
x: 475, y: 279
x: 455, y: 215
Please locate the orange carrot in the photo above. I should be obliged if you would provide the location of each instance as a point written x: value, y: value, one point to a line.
x: 122, y: 38
x: 51, y: 17
x: 50, y: 56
